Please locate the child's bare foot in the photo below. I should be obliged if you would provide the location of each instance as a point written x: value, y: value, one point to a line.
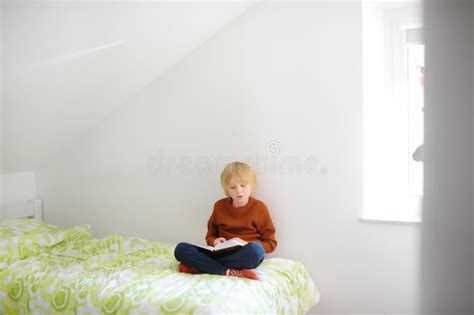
x: 187, y: 269
x: 244, y: 273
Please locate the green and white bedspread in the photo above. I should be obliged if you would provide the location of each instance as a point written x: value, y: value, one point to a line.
x: 48, y: 270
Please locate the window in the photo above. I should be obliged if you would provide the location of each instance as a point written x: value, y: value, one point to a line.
x: 393, y: 74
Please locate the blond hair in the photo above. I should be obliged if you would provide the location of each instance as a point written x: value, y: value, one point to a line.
x: 239, y: 171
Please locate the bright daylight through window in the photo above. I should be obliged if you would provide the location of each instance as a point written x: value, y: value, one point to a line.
x: 393, y: 81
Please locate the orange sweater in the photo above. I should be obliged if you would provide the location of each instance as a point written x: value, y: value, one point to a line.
x: 252, y: 223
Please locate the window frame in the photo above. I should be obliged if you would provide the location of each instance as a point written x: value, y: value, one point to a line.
x: 396, y: 22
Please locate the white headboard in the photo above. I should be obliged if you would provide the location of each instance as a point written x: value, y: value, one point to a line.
x: 24, y: 209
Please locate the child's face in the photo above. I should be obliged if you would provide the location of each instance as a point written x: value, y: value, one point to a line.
x: 239, y: 192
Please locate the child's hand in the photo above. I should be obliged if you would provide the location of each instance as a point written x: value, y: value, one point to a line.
x: 219, y: 240
x: 240, y: 240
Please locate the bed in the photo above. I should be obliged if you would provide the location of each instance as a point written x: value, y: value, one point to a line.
x: 45, y: 269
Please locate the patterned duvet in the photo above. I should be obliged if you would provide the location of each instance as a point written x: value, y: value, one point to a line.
x: 48, y: 270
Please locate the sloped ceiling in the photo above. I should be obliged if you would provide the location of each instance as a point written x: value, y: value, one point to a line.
x: 68, y: 65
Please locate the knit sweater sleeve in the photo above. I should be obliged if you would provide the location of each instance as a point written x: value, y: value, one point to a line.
x: 266, y: 229
x: 212, y: 229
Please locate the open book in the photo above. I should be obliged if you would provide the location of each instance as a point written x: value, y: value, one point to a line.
x: 221, y: 246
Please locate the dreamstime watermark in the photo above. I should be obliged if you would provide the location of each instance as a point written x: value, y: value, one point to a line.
x: 273, y: 162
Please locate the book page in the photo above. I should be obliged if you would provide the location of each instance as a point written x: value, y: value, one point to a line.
x: 204, y: 246
x: 223, y: 245
x: 228, y: 244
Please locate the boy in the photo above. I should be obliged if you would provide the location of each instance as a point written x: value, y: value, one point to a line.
x: 238, y: 216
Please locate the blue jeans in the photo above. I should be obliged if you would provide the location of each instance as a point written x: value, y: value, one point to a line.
x: 217, y: 263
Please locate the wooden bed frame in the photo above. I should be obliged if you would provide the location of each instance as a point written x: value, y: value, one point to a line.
x: 25, y: 209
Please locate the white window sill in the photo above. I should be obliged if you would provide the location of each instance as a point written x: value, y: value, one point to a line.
x: 389, y: 219
x: 402, y: 210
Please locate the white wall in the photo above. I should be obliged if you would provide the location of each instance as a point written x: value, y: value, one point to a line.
x: 288, y: 73
x: 1, y: 101
x: 447, y: 235
x: 63, y: 57
x: 18, y: 187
